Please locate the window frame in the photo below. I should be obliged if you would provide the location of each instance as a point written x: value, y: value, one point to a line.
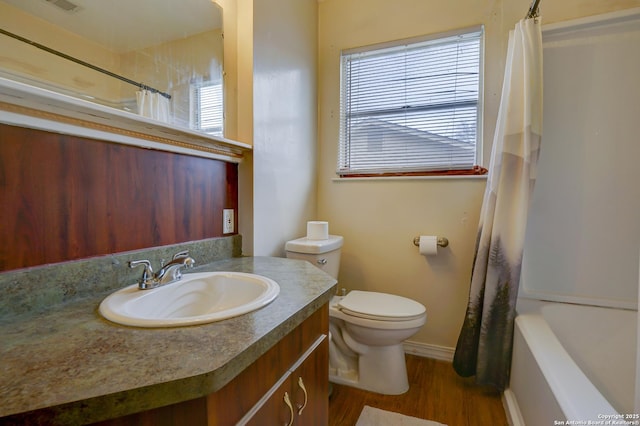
x: 195, y: 107
x: 343, y: 148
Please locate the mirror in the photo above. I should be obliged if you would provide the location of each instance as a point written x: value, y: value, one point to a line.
x: 162, y: 59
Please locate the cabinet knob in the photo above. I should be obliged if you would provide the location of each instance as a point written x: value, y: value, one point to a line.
x: 288, y: 402
x: 301, y: 385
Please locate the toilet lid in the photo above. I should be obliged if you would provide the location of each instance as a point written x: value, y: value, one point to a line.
x: 382, y: 306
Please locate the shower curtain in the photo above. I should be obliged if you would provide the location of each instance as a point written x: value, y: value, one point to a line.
x: 485, y: 341
x: 153, y: 105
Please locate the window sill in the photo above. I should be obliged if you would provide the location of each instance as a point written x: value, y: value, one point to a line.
x: 475, y: 173
x: 426, y: 177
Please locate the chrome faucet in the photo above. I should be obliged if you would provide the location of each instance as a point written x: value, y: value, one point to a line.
x: 169, y: 273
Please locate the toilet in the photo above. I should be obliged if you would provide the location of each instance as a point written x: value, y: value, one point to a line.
x: 366, y: 328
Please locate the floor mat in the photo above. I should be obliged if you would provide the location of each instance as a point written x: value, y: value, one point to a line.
x: 375, y: 417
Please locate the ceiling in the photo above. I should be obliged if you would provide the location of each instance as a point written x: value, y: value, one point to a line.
x: 125, y: 25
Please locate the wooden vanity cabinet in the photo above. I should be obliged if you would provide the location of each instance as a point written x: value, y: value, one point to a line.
x: 299, y: 397
x: 255, y: 396
x: 315, y: 374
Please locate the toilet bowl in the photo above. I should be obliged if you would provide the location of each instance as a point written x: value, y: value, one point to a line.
x: 370, y: 328
x: 366, y: 328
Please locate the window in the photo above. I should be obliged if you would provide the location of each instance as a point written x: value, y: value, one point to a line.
x: 411, y: 106
x: 207, y: 108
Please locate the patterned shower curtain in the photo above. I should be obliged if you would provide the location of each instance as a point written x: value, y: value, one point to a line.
x: 485, y: 342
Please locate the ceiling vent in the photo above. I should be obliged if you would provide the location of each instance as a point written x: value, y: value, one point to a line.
x: 65, y: 5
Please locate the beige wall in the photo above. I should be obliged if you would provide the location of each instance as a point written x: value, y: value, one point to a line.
x: 379, y: 218
x: 283, y: 125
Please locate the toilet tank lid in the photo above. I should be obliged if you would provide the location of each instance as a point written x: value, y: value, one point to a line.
x: 305, y: 245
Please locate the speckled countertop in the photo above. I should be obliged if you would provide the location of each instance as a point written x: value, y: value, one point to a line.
x: 72, y: 366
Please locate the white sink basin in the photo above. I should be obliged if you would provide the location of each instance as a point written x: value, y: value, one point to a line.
x: 197, y: 298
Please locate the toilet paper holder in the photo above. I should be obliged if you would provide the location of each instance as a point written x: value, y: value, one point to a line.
x: 442, y: 242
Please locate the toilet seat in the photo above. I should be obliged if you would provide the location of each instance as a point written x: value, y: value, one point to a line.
x: 380, y: 306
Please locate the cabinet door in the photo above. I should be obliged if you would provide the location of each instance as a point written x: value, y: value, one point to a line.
x: 278, y: 409
x: 301, y: 396
x: 310, y: 388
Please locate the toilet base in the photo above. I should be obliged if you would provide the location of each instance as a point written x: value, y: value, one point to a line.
x: 382, y: 369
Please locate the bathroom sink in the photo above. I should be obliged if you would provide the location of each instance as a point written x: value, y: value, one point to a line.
x: 198, y: 298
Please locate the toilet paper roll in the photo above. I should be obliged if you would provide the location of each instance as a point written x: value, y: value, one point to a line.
x: 428, y: 245
x: 317, y: 230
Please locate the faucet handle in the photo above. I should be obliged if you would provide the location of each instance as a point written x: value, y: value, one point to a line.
x: 180, y: 254
x: 147, y: 266
x: 187, y: 260
x: 147, y: 274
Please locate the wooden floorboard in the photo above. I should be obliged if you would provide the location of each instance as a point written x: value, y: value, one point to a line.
x: 436, y: 393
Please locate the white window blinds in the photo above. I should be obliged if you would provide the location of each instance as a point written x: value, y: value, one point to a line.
x: 207, y: 110
x: 411, y: 106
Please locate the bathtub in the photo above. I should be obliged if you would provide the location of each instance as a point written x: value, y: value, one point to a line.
x: 572, y: 362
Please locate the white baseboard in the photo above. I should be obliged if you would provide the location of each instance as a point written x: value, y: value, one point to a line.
x: 511, y: 409
x: 442, y: 353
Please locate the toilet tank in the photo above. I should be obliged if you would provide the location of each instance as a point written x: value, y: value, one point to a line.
x: 325, y: 254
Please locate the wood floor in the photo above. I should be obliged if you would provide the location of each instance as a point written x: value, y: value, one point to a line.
x: 436, y: 393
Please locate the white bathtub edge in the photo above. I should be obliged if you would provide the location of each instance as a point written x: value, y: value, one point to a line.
x: 568, y: 384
